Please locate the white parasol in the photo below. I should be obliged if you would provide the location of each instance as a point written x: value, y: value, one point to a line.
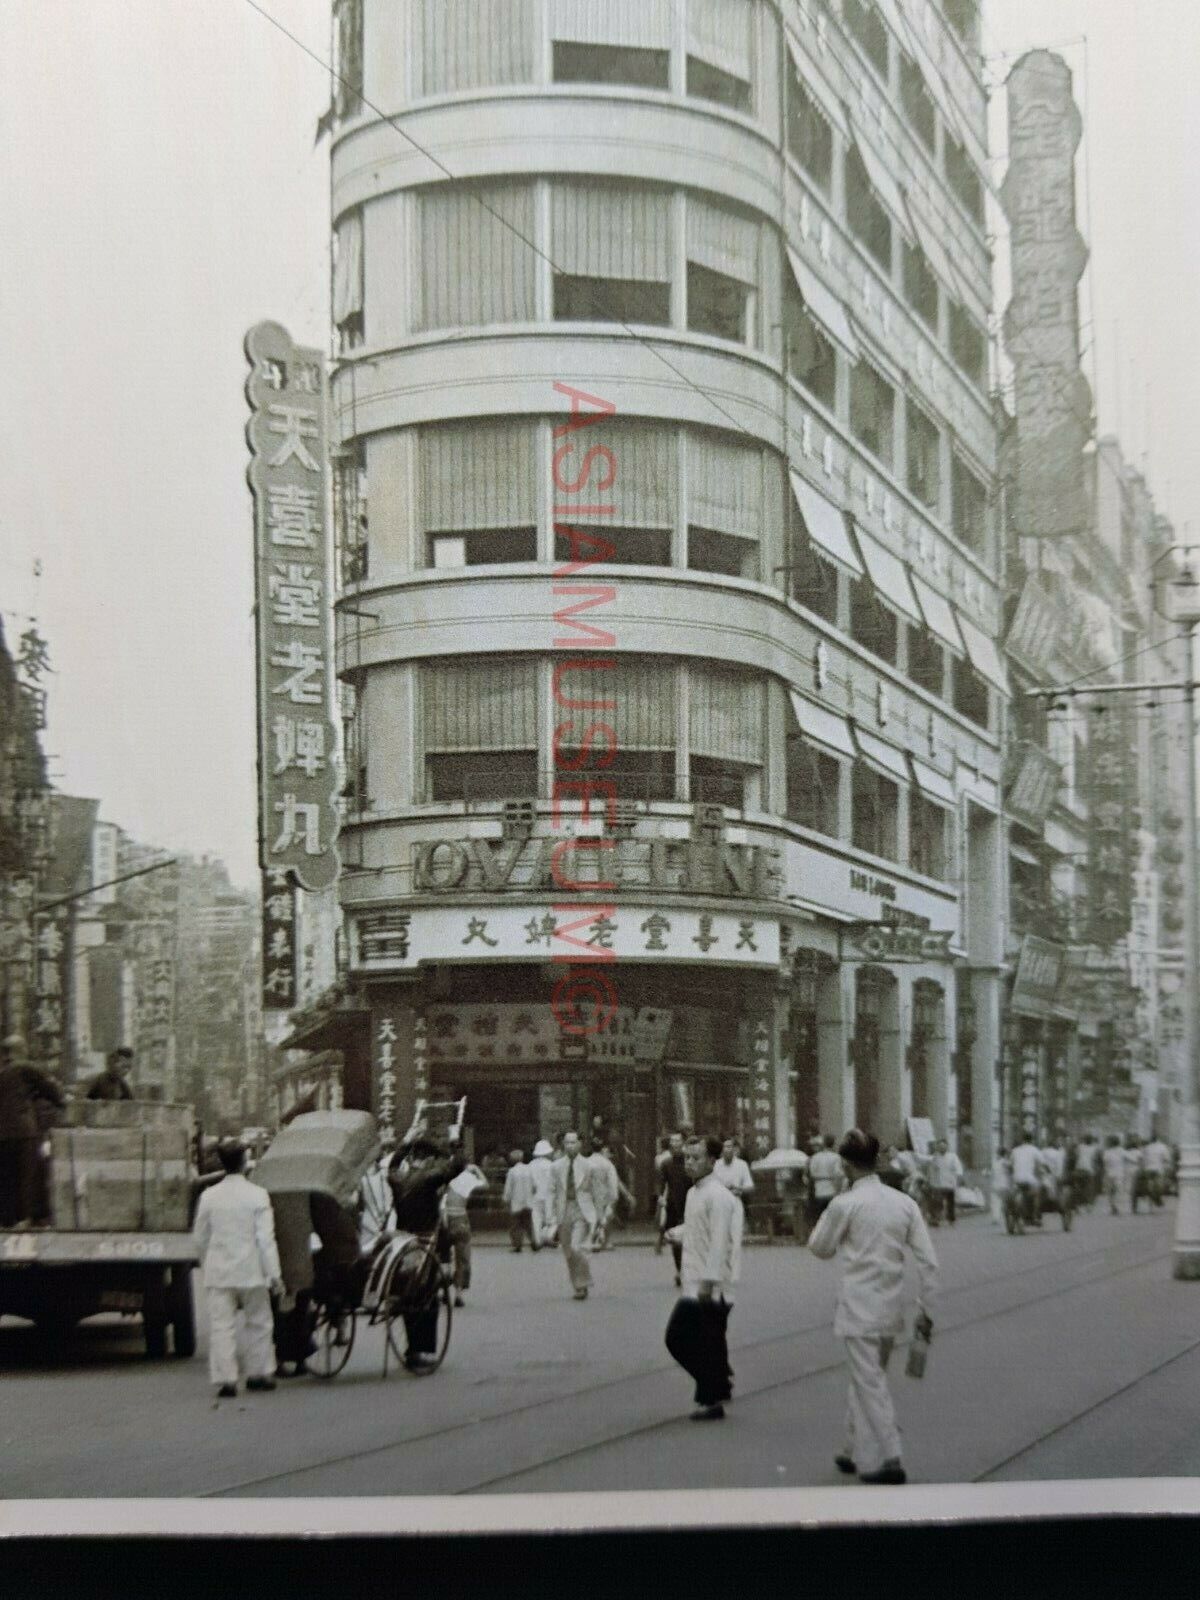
x: 781, y: 1161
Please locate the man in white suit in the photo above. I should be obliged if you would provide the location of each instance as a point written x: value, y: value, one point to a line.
x: 541, y: 1176
x: 575, y: 1189
x: 235, y: 1240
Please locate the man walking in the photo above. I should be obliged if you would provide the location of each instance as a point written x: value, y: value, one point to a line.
x: 1026, y: 1163
x: 235, y: 1240
x: 873, y: 1226
x: 575, y: 1212
x: 945, y: 1175
x: 518, y: 1197
x: 1087, y: 1158
x: 541, y: 1177
x: 733, y: 1172
x: 608, y: 1191
x: 1113, y: 1161
x: 673, y: 1183
x: 1156, y: 1159
x: 710, y: 1238
x: 824, y: 1180
x: 112, y: 1084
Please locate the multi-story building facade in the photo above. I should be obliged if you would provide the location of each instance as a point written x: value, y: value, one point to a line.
x: 746, y: 239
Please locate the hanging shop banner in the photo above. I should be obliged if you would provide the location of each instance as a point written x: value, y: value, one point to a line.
x: 278, y: 940
x: 53, y: 956
x: 521, y: 1035
x: 1032, y: 784
x: 1035, y: 632
x: 1040, y: 967
x: 152, y: 946
x: 297, y: 822
x: 1053, y: 402
x: 762, y: 1072
x: 1109, y: 788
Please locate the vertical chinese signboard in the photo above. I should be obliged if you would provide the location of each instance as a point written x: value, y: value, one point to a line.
x: 278, y: 939
x: 51, y: 985
x: 1111, y: 824
x: 400, y: 1067
x: 1053, y: 402
x: 296, y: 746
x: 153, y: 948
x: 762, y: 1060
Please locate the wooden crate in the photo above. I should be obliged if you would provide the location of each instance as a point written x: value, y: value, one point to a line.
x: 115, y: 1180
x: 130, y: 1114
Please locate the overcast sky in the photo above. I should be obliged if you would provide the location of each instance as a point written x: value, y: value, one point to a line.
x: 161, y: 193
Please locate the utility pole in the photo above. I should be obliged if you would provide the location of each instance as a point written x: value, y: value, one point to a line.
x: 1179, y: 599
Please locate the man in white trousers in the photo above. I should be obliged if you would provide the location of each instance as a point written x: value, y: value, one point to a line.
x: 541, y: 1177
x: 575, y: 1189
x: 235, y: 1239
x: 873, y: 1226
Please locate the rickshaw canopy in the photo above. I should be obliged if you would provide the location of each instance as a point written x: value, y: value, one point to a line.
x: 321, y: 1152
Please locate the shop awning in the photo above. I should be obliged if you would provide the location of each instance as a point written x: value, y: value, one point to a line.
x: 889, y: 575
x: 826, y: 524
x: 894, y: 762
x: 1020, y: 853
x: 814, y: 85
x: 825, y: 307
x: 938, y: 614
x: 822, y: 727
x: 931, y: 248
x: 933, y: 783
x: 983, y: 654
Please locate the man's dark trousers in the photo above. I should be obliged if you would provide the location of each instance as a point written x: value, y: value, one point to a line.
x: 696, y: 1339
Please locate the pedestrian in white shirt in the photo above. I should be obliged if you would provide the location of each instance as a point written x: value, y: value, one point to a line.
x: 541, y: 1176
x: 1156, y: 1161
x: 824, y: 1179
x: 1133, y: 1171
x: 1001, y: 1184
x: 733, y: 1172
x: 945, y: 1175
x: 711, y: 1238
x: 235, y: 1240
x: 1087, y: 1161
x: 1027, y: 1176
x: 873, y: 1227
x: 1115, y: 1174
x: 575, y: 1189
x: 518, y: 1197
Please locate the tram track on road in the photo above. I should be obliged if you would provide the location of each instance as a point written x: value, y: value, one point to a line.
x: 947, y: 1329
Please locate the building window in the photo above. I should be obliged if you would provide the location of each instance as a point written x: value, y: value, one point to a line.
x: 873, y: 411
x: 465, y: 45
x: 717, y: 782
x: 716, y: 304
x: 608, y: 63
x: 348, y: 58
x: 641, y: 774
x: 920, y: 285
x: 712, y: 551
x: 968, y: 345
x: 928, y: 834
x: 485, y: 547
x: 924, y: 453
x: 970, y: 693
x: 963, y: 16
x: 969, y: 508
x: 350, y: 527
x: 811, y: 356
x: 872, y: 624
x: 926, y: 661
x: 632, y: 547
x: 624, y: 300
x: 866, y: 215
x: 963, y: 179
x: 917, y: 102
x: 354, y: 756
x: 812, y: 581
x: 458, y: 778
x: 809, y: 136
x: 708, y: 82
x: 865, y: 24
x: 813, y: 785
x: 874, y: 808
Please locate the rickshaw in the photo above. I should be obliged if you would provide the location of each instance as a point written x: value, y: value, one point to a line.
x: 313, y: 1172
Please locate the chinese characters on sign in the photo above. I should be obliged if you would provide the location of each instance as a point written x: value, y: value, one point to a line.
x: 278, y: 940
x: 890, y: 941
x: 509, y: 1034
x: 1041, y: 325
x: 761, y: 1098
x: 297, y: 772
x: 1109, y: 791
x: 53, y: 949
x: 1033, y: 783
x: 152, y: 944
x: 1039, y: 971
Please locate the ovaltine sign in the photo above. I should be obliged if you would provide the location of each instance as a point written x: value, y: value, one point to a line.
x: 885, y: 941
x: 685, y: 866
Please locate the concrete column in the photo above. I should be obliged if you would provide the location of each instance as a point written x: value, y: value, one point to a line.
x: 892, y: 1121
x: 835, y: 1024
x: 985, y: 1058
x: 783, y: 1117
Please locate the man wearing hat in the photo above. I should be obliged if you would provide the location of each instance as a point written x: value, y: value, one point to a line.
x: 420, y: 1169
x: 541, y: 1176
x: 24, y: 1090
x: 873, y: 1227
x: 235, y: 1240
x: 112, y: 1084
x: 518, y: 1197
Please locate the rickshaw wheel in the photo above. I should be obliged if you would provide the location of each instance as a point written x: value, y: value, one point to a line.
x: 331, y: 1356
x: 441, y: 1301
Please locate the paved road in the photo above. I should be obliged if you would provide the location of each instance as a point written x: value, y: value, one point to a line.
x: 1056, y: 1356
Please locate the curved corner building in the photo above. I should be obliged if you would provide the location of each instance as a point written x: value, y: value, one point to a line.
x: 745, y: 240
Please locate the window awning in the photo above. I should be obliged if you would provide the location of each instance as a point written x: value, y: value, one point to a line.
x: 881, y: 180
x: 982, y: 653
x: 931, y: 249
x: 933, y: 783
x: 825, y: 307
x: 826, y: 524
x: 1019, y: 853
x: 938, y: 614
x: 822, y: 727
x: 889, y: 576
x: 893, y: 761
x: 815, y: 87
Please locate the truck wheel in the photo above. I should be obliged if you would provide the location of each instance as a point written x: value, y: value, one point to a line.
x: 182, y: 1312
